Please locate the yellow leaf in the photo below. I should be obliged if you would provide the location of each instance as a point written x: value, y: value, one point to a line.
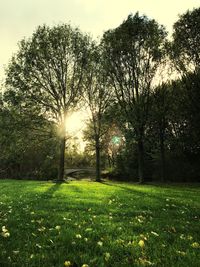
x: 195, y: 245
x: 67, y: 263
x: 141, y: 243
x: 107, y: 256
x: 182, y: 253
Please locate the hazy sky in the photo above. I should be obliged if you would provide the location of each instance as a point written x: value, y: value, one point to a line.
x: 19, y: 18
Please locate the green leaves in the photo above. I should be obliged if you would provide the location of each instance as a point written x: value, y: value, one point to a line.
x: 133, y: 52
x: 186, y: 41
x: 49, y: 67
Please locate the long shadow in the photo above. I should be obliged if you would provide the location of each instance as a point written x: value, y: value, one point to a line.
x: 149, y: 197
x: 136, y: 192
x: 173, y: 188
x: 55, y: 187
x: 159, y: 197
x: 131, y: 190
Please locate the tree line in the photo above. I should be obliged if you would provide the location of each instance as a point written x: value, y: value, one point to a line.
x: 140, y: 86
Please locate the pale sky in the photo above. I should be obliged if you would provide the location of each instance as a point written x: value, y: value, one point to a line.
x: 19, y: 18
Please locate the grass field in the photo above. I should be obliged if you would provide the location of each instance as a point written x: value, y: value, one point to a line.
x: 108, y: 224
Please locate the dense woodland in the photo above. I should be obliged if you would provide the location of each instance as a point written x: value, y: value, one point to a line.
x: 141, y: 86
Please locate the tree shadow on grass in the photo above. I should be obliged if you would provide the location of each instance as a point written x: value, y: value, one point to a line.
x: 55, y: 187
x: 159, y: 198
x: 164, y: 188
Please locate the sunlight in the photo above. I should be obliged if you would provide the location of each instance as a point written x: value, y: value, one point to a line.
x: 74, y: 125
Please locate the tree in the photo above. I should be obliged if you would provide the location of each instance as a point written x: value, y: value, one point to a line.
x: 186, y: 41
x: 185, y: 56
x: 28, y: 141
x: 98, y: 95
x: 187, y: 112
x: 133, y: 52
x: 48, y: 70
x: 160, y: 111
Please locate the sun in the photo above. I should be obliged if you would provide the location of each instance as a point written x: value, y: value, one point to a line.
x: 74, y: 125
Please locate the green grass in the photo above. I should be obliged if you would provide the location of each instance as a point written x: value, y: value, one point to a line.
x: 98, y: 224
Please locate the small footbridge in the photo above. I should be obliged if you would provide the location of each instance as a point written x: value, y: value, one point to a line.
x: 80, y: 172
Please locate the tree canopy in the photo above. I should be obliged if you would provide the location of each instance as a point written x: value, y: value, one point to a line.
x: 140, y: 126
x: 48, y: 69
x: 133, y: 53
x: 186, y: 41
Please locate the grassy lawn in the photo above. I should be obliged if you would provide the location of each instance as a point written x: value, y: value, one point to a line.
x: 110, y: 224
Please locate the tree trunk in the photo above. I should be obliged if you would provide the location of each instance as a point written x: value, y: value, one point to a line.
x: 62, y: 159
x: 97, y: 146
x: 141, y: 160
x: 162, y: 154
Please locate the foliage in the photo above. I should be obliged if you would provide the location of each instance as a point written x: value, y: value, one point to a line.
x: 48, y: 69
x: 98, y: 93
x: 186, y: 41
x: 137, y: 128
x: 74, y: 158
x: 31, y: 150
x: 133, y: 54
